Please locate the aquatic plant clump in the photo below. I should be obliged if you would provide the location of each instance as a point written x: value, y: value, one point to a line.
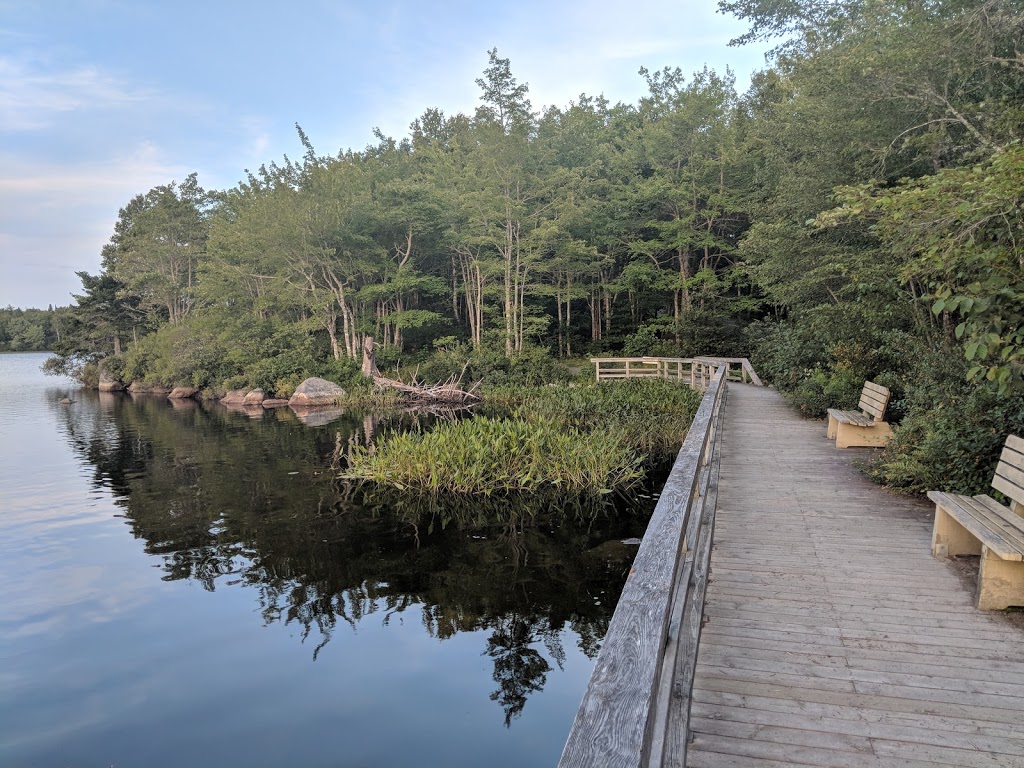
x: 486, y: 456
x: 652, y: 415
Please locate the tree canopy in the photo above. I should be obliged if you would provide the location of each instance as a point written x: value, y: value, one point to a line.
x: 855, y: 213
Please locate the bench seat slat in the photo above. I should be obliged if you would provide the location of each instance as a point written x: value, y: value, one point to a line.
x: 999, y: 518
x: 1008, y: 514
x: 851, y: 417
x: 1016, y: 443
x: 993, y: 530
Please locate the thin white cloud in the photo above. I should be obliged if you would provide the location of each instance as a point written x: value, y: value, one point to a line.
x: 257, y: 141
x: 55, y: 218
x: 132, y: 172
x: 31, y: 96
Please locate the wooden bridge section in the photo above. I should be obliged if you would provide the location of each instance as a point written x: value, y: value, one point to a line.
x: 695, y: 371
x: 829, y: 635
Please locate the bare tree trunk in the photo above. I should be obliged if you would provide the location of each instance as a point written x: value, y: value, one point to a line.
x: 369, y: 367
x: 568, y: 326
x: 332, y: 331
x: 607, y: 311
x: 683, y: 255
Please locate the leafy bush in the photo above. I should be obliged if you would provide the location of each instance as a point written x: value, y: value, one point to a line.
x: 187, y: 353
x: 534, y: 366
x: 646, y: 341
x: 953, y: 432
x: 822, y: 389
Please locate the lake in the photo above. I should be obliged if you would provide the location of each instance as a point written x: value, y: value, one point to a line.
x: 186, y: 585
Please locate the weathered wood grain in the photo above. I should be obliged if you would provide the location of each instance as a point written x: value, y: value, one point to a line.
x: 833, y: 637
x: 617, y: 720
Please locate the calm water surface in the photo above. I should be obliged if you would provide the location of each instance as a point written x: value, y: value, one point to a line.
x: 190, y: 586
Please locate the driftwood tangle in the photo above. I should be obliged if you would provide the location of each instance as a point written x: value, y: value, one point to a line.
x: 445, y: 392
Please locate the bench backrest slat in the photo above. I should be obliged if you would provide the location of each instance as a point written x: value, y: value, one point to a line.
x: 873, y: 400
x: 1009, y: 477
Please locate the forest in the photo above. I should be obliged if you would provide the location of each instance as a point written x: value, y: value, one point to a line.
x: 32, y: 330
x: 855, y: 214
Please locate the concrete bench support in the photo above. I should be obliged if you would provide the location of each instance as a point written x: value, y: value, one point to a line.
x: 864, y: 427
x: 980, y: 525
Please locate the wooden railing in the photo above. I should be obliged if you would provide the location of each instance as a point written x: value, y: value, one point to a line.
x: 696, y: 371
x: 636, y: 709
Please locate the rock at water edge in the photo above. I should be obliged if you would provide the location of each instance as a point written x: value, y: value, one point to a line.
x: 235, y: 397
x: 255, y: 397
x: 314, y: 392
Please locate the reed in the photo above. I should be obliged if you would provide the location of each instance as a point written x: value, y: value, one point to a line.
x: 577, y: 440
x: 486, y: 456
x: 652, y: 415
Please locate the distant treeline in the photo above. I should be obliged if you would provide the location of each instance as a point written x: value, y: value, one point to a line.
x: 32, y: 330
x: 856, y: 213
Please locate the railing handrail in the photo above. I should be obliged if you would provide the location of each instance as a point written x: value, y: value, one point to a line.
x: 698, y: 372
x: 633, y: 704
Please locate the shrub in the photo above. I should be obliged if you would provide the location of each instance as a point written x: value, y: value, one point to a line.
x: 646, y: 342
x: 534, y: 366
x: 953, y: 432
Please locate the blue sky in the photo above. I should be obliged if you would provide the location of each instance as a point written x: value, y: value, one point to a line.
x: 104, y: 99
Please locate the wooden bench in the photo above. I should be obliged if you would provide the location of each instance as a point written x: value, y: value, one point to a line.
x: 980, y: 525
x: 863, y: 427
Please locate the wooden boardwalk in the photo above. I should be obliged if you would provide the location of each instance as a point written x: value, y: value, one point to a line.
x: 832, y: 636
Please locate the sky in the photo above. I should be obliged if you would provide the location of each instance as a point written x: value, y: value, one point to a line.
x: 101, y: 100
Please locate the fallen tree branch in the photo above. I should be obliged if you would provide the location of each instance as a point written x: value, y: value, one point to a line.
x: 449, y: 391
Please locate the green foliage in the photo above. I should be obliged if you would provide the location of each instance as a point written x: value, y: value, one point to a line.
x: 181, y: 354
x: 646, y: 341
x: 582, y: 440
x: 822, y: 360
x: 964, y: 226
x: 31, y: 330
x: 154, y: 252
x: 954, y: 430
x: 483, y: 456
x: 531, y: 367
x: 822, y: 389
x: 695, y: 222
x: 652, y: 415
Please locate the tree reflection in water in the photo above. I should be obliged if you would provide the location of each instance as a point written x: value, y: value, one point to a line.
x: 228, y: 500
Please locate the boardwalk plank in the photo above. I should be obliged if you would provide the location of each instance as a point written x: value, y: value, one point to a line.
x: 833, y: 638
x: 823, y: 716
